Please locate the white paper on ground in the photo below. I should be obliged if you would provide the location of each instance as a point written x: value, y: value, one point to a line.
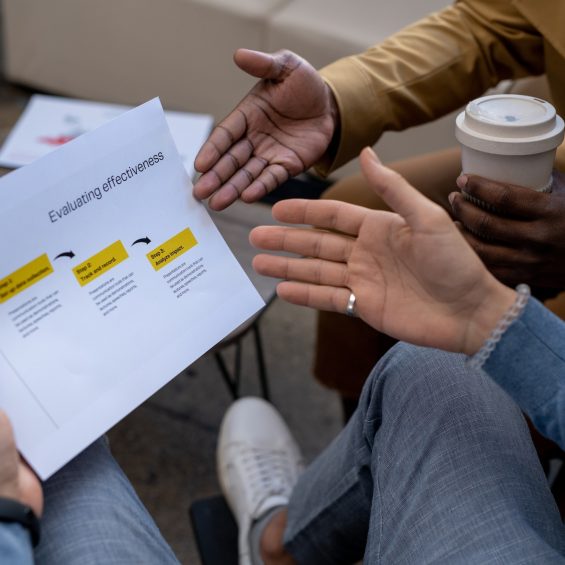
x: 94, y: 318
x: 50, y: 121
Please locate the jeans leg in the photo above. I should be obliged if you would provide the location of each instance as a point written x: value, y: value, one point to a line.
x: 436, y: 466
x: 93, y: 515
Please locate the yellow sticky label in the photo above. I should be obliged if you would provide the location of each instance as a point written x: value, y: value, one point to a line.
x: 24, y: 277
x: 171, y: 249
x: 100, y: 263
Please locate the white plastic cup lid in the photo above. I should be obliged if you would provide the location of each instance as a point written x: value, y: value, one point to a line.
x: 509, y: 124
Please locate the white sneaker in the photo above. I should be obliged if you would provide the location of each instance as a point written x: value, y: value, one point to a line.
x: 258, y: 464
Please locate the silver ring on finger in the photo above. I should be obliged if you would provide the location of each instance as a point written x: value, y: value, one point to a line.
x: 350, y: 309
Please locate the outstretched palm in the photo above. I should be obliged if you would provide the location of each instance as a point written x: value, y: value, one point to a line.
x: 281, y: 128
x: 412, y: 273
x: 415, y: 283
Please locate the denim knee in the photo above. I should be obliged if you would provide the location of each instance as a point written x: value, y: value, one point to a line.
x: 425, y: 380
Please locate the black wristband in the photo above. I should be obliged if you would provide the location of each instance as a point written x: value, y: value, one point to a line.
x: 14, y: 511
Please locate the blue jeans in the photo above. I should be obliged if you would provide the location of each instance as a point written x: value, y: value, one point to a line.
x: 93, y: 516
x: 436, y: 466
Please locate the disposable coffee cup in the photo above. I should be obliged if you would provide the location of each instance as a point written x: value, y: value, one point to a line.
x: 510, y: 138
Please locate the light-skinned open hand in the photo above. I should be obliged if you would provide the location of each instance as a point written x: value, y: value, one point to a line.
x: 281, y: 128
x: 413, y: 274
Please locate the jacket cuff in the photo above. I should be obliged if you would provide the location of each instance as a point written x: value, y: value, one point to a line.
x: 352, y: 90
x: 529, y: 363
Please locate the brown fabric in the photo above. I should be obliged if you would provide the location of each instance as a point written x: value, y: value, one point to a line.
x: 346, y: 351
x: 440, y: 63
x: 557, y: 305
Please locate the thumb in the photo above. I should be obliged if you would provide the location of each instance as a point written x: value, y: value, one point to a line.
x: 264, y: 65
x: 395, y: 190
x: 30, y: 489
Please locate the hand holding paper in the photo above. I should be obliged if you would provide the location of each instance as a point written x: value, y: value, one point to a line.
x: 113, y: 280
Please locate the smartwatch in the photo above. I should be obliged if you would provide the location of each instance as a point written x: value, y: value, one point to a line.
x: 14, y: 511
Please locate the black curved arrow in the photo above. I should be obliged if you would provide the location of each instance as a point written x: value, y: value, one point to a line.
x: 142, y: 240
x: 68, y: 254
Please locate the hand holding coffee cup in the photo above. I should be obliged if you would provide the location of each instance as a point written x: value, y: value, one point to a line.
x: 516, y: 231
x: 510, y: 138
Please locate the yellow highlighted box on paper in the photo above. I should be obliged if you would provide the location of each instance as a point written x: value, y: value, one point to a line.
x: 24, y: 277
x: 100, y: 263
x: 171, y: 249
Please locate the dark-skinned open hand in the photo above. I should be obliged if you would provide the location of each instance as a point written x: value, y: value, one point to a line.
x: 281, y: 128
x: 517, y: 232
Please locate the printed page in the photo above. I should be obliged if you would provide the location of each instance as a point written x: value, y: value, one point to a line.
x: 51, y: 121
x: 113, y: 280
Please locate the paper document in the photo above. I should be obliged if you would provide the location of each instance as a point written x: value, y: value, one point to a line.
x: 113, y: 280
x: 51, y: 121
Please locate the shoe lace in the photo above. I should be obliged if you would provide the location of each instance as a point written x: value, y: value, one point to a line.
x: 270, y: 472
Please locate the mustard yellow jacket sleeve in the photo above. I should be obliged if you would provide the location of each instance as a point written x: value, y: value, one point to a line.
x: 429, y: 69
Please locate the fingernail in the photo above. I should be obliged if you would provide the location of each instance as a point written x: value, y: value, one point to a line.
x: 462, y: 181
x: 451, y: 197
x: 373, y: 155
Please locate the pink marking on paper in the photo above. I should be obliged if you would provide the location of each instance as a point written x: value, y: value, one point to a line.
x: 56, y: 140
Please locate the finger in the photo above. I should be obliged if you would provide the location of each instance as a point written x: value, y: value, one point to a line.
x: 487, y: 225
x: 271, y: 177
x: 232, y: 161
x: 328, y: 298
x: 30, y: 488
x: 8, y: 458
x: 223, y: 136
x: 314, y: 271
x: 232, y: 188
x: 265, y: 65
x: 305, y: 242
x: 495, y: 255
x: 7, y: 444
x: 507, y: 199
x: 325, y: 214
x: 417, y: 210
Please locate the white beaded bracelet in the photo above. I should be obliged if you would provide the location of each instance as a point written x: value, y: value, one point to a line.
x: 480, y: 358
